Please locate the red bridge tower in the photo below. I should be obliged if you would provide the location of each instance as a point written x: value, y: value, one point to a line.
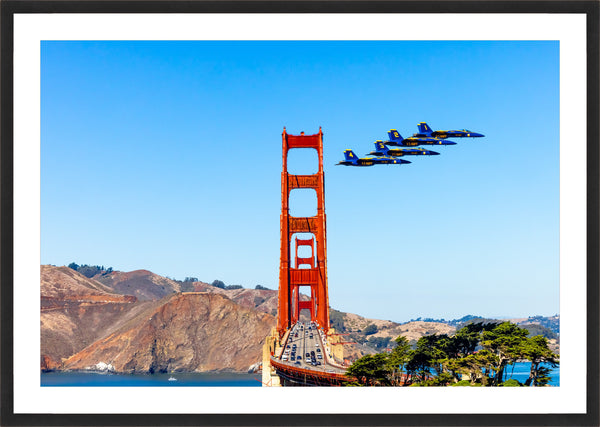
x: 292, y: 277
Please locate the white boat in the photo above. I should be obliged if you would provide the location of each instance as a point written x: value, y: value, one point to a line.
x: 172, y: 378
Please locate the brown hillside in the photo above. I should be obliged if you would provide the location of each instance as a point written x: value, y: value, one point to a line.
x: 191, y: 332
x: 143, y: 284
x: 264, y: 300
x: 64, y: 282
x: 354, y: 326
x: 75, y: 312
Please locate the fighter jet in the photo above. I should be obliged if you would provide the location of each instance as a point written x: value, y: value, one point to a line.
x: 426, y: 131
x: 382, y: 150
x: 352, y: 160
x: 397, y: 140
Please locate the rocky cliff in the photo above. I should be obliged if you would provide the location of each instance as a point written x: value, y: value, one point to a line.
x: 75, y: 312
x: 191, y: 332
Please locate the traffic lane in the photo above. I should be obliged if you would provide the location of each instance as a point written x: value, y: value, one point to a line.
x: 315, y: 345
x: 305, y: 344
x: 299, y: 350
x: 325, y: 364
x: 289, y: 347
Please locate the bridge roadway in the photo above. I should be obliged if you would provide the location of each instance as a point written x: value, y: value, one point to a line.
x: 305, y: 358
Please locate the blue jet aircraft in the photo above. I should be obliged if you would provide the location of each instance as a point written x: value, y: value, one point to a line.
x: 426, y: 131
x: 382, y: 150
x: 397, y: 140
x: 352, y: 160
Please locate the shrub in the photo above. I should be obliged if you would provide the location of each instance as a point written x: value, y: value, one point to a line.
x: 218, y: 284
x: 370, y: 329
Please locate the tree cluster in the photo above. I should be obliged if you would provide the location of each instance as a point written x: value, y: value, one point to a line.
x: 90, y: 271
x: 370, y: 329
x: 218, y: 284
x: 478, y: 354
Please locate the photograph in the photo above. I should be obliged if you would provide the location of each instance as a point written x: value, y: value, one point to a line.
x: 160, y: 213
x: 339, y: 214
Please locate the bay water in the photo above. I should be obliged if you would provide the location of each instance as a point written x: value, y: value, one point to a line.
x: 103, y: 379
x: 95, y: 379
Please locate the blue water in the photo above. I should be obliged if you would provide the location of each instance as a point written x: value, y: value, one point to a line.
x: 90, y: 379
x: 521, y: 373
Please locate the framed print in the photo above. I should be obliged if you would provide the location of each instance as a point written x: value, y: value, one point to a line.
x: 422, y: 248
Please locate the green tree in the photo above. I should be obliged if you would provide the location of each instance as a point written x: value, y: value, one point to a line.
x: 429, y: 354
x: 476, y: 366
x: 467, y: 338
x: 397, y: 359
x: 536, y: 350
x: 370, y: 370
x: 506, y: 342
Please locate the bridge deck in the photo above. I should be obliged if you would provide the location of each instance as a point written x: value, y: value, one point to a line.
x: 294, y: 363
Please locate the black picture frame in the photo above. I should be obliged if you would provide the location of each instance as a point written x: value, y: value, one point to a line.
x: 8, y: 10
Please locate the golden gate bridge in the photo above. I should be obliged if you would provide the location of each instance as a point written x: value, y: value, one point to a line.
x: 303, y: 353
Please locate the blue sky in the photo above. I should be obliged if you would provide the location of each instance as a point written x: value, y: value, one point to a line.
x: 166, y: 156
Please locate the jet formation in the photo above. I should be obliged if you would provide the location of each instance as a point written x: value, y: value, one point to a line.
x: 425, y: 136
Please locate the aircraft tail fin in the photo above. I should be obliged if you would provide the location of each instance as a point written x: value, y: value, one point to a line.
x: 394, y: 135
x: 350, y: 156
x: 380, y: 147
x: 424, y: 128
